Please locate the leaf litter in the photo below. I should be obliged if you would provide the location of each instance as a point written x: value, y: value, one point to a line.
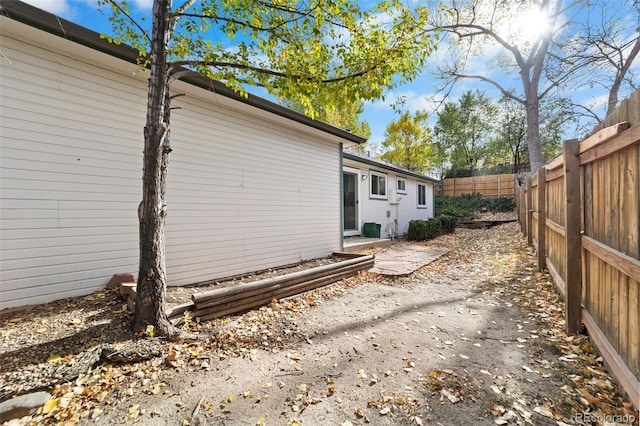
x: 562, y: 377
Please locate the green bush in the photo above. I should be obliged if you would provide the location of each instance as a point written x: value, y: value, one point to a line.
x: 501, y: 204
x: 447, y: 223
x: 467, y: 205
x: 463, y: 206
x: 420, y: 230
x: 472, y: 201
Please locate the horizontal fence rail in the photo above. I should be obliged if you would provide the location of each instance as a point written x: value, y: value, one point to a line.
x: 581, y: 213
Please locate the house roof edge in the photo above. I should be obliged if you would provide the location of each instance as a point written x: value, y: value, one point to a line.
x: 46, y: 21
x: 388, y: 166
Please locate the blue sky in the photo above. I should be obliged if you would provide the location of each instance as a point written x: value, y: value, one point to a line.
x: 417, y: 95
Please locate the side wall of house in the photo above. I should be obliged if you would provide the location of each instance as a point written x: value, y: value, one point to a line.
x: 408, y: 204
x: 403, y: 207
x: 246, y: 193
x: 247, y: 190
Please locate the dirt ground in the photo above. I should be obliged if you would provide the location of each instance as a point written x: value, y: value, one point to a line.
x: 475, y: 337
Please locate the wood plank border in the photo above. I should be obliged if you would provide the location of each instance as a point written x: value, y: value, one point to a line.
x: 603, y: 136
x: 620, y: 142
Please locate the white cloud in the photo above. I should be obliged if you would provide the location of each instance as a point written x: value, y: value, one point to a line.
x: 57, y: 7
x: 597, y: 101
x: 143, y: 4
x: 406, y: 100
x: 379, y: 113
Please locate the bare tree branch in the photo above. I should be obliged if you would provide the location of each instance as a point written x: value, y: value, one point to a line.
x: 176, y: 67
x: 495, y: 84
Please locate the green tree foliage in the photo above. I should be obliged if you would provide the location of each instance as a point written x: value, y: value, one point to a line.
x: 407, y: 142
x: 553, y: 116
x: 344, y: 115
x: 290, y: 48
x: 463, y: 131
x: 509, y: 143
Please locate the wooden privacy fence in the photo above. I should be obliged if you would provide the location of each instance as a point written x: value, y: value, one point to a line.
x: 581, y: 213
x: 488, y: 186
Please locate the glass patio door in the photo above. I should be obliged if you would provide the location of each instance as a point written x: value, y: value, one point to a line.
x: 351, y: 224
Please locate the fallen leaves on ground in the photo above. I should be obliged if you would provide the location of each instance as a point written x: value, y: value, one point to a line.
x: 61, y: 333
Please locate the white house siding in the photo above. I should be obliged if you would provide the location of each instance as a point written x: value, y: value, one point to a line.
x: 247, y: 190
x: 246, y: 193
x: 404, y: 208
x: 69, y: 173
x: 408, y: 209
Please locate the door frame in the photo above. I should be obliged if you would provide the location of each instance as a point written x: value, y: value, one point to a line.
x: 357, y: 174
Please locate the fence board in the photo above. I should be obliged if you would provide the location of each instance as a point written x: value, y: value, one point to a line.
x: 489, y: 186
x: 587, y: 204
x: 633, y: 355
x: 529, y: 190
x: 603, y: 136
x: 541, y: 231
x: 573, y: 277
x: 618, y: 143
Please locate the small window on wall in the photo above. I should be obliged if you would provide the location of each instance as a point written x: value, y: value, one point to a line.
x: 402, y: 186
x: 422, y: 196
x: 378, y: 185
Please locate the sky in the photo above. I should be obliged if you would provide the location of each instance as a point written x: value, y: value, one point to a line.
x: 417, y: 95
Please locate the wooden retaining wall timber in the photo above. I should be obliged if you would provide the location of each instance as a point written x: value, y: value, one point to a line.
x: 241, y: 297
x: 581, y: 212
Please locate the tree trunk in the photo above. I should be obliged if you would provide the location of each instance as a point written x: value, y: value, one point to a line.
x: 152, y: 277
x: 622, y: 72
x: 533, y: 132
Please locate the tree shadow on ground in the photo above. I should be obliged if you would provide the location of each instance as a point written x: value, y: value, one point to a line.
x: 69, y: 327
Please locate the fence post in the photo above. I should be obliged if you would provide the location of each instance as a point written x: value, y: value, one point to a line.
x: 573, y: 246
x: 542, y: 217
x: 523, y: 210
x: 529, y: 211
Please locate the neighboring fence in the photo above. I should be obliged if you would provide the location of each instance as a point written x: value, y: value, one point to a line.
x: 582, y: 214
x: 489, y: 186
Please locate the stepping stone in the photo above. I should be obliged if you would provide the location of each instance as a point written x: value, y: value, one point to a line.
x: 23, y: 405
x: 406, y: 260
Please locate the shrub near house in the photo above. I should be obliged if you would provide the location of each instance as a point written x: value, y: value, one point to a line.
x: 449, y: 209
x: 420, y: 230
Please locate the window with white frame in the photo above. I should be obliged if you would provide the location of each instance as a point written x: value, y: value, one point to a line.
x: 378, y: 185
x: 401, y: 186
x: 422, y: 196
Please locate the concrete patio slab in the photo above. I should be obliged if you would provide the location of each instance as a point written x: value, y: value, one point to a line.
x: 354, y: 244
x: 404, y: 260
